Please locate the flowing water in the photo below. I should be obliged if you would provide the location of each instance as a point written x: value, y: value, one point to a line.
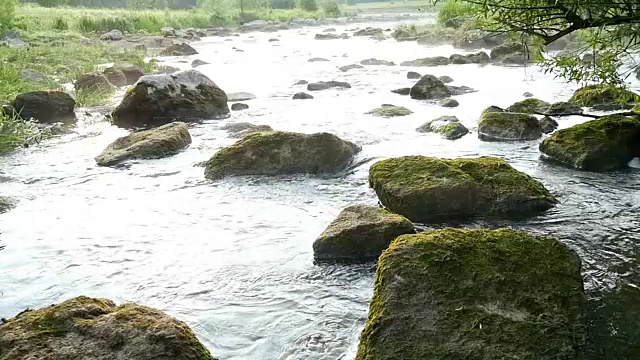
x: 233, y: 258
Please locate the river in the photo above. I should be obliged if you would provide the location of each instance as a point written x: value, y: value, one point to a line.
x: 233, y: 258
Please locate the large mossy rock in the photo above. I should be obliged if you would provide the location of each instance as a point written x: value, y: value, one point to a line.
x: 604, y: 144
x: 360, y: 232
x: 529, y: 106
x: 497, y: 125
x: 87, y: 328
x: 429, y: 87
x: 156, y: 143
x: 425, y: 188
x: 282, y: 153
x: 46, y: 107
x: 449, y: 127
x: 476, y: 294
x: 388, y: 110
x: 604, y: 97
x: 563, y: 109
x: 160, y: 99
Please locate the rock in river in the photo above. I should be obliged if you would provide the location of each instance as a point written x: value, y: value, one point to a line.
x: 239, y: 106
x: 603, y: 97
x: 413, y: 75
x: 6, y: 204
x: 445, y: 79
x: 197, y: 62
x: 387, y: 110
x: 156, y: 143
x: 346, y: 68
x: 449, y: 103
x: 429, y: 61
x: 46, y: 107
x: 402, y: 91
x: 324, y: 85
x: 604, y: 144
x: 548, y: 125
x: 88, y: 328
x: 115, y: 76
x: 425, y: 188
x: 160, y: 99
x: 429, y: 87
x: 373, y: 61
x: 499, y: 125
x: 449, y: 127
x: 113, y: 35
x: 476, y: 294
x: 250, y: 130
x: 563, y: 108
x: 93, y: 82
x: 327, y: 37
x: 131, y: 72
x: 360, y: 232
x: 282, y: 153
x: 182, y: 49
x: 302, y: 96
x: 529, y: 106
x: 240, y: 96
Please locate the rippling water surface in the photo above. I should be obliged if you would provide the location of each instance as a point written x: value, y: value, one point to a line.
x: 233, y: 258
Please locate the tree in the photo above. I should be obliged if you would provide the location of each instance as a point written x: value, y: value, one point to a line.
x: 7, y: 12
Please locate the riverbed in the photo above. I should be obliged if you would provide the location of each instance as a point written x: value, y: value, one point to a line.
x: 233, y: 258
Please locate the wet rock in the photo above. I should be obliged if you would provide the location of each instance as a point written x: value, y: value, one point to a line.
x: 84, y: 327
x: 449, y: 127
x: 504, y: 50
x: 251, y: 130
x: 182, y: 49
x: 329, y: 30
x: 402, y: 91
x: 93, y: 82
x: 377, y: 62
x: 460, y: 90
x: 327, y: 37
x: 160, y: 99
x: 413, y: 75
x: 6, y: 204
x: 508, y: 126
x: 379, y: 37
x: 236, y: 49
x: 240, y: 96
x: 529, y: 106
x: 516, y: 59
x: 428, y: 88
x: 12, y: 39
x: 563, y: 108
x: 548, y: 125
x: 425, y: 188
x: 168, y: 70
x: 527, y: 94
x: 449, y: 103
x: 239, y: 106
x: 368, y: 32
x: 360, y: 232
x: 346, y: 68
x: 403, y: 35
x: 429, y: 61
x: 46, y: 107
x: 600, y: 145
x: 33, y: 76
x: 317, y: 59
x: 197, y: 62
x: 113, y: 35
x: 603, y: 97
x: 476, y: 294
x: 324, y: 85
x: 115, y: 76
x: 445, y: 79
x: 273, y: 40
x: 282, y: 153
x: 477, y: 39
x: 387, y: 110
x: 477, y: 58
x: 235, y: 127
x: 168, y: 31
x: 156, y: 143
x: 301, y: 82
x: 302, y: 96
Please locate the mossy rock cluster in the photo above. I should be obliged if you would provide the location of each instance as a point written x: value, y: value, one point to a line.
x: 360, y: 232
x: 449, y: 127
x: 282, y: 153
x: 425, y: 188
x: 156, y: 143
x: 155, y: 100
x: 599, y: 145
x: 604, y: 97
x: 87, y: 328
x: 387, y: 110
x: 498, y: 125
x: 476, y: 294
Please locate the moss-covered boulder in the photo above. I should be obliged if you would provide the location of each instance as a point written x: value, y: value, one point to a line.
x: 563, y: 109
x: 87, y: 328
x: 156, y: 100
x: 425, y: 188
x: 360, y: 232
x: 604, y: 144
x: 182, y: 49
x: 428, y: 61
x: 476, y: 294
x: 402, y: 91
x: 429, y: 87
x: 251, y: 130
x: 282, y: 153
x: 449, y: 103
x: 477, y: 58
x: 156, y: 143
x: 548, y: 125
x: 445, y: 79
x: 387, y: 110
x: 529, y: 106
x: 604, y: 97
x: 500, y: 52
x: 449, y: 127
x: 508, y: 126
x: 46, y: 107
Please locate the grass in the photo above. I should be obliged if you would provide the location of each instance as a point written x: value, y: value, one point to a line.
x: 15, y: 132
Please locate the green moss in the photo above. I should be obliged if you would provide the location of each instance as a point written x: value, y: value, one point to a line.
x: 529, y: 106
x: 453, y: 131
x: 603, y: 95
x: 508, y: 126
x: 604, y: 144
x: 390, y: 111
x: 476, y: 294
x: 424, y: 188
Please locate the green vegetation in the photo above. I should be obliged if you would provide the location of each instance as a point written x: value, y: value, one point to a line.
x: 452, y: 12
x: 15, y: 132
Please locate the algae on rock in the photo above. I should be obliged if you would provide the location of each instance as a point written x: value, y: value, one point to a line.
x: 476, y: 294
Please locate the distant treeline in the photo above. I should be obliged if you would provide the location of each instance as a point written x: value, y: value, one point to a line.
x: 138, y: 4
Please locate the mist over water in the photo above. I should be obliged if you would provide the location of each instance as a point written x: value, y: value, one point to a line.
x: 233, y: 258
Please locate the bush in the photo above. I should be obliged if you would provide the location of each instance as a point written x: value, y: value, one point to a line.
x: 330, y: 8
x: 452, y: 12
x: 52, y: 3
x: 7, y: 12
x: 309, y: 5
x: 61, y: 24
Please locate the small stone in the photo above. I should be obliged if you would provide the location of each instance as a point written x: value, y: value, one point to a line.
x: 302, y: 96
x: 449, y: 103
x: 413, y: 75
x: 239, y: 106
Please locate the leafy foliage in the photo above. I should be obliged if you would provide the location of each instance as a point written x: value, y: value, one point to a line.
x: 7, y: 12
x: 309, y: 5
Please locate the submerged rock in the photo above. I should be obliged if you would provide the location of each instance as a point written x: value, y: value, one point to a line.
x: 87, y: 328
x: 377, y: 62
x: 346, y: 68
x: 282, y: 153
x: 182, y: 49
x: 603, y: 97
x: 301, y: 82
x: 156, y: 143
x: 239, y: 106
x: 302, y: 96
x: 327, y: 37
x: 324, y: 85
x: 113, y: 35
x: 250, y: 130
x: 604, y: 144
x: 6, y: 204
x: 460, y: 90
x: 46, y: 107
x: 240, y: 96
x: 476, y: 294
x: 197, y: 62
x: 497, y: 125
x: 160, y: 99
x: 368, y: 32
x: 360, y: 232
x: 387, y: 110
x: 402, y: 91
x: 424, y: 188
x: 93, y: 82
x: 317, y: 59
x: 428, y: 88
x: 529, y: 106
x: 449, y: 103
x: 235, y: 127
x: 449, y: 127
x: 563, y: 108
x: 548, y: 125
x: 413, y: 75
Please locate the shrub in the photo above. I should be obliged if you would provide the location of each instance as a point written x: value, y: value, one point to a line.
x: 7, y: 12
x: 61, y: 24
x: 309, y: 5
x: 330, y: 8
x: 451, y: 12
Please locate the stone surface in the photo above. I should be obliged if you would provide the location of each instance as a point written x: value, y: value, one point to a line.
x: 476, y: 294
x: 413, y: 75
x: 445, y: 79
x: 373, y: 61
x: 115, y: 76
x: 449, y: 127
x: 197, y: 62
x: 529, y: 106
x: 346, y: 68
x: 402, y: 91
x: 324, y: 85
x: 239, y: 106
x: 428, y: 88
x: 387, y: 110
x: 302, y: 96
x: 93, y: 82
x: 250, y: 130
x: 6, y: 204
x: 240, y: 96
x: 317, y: 59
x: 46, y: 107
x: 508, y: 126
x: 113, y: 35
x: 182, y: 49
x: 603, y: 97
x: 360, y: 232
x: 548, y: 125
x: 563, y: 108
x: 429, y: 61
x: 449, y: 103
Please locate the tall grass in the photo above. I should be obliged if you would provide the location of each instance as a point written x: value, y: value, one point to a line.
x: 454, y: 9
x: 15, y: 132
